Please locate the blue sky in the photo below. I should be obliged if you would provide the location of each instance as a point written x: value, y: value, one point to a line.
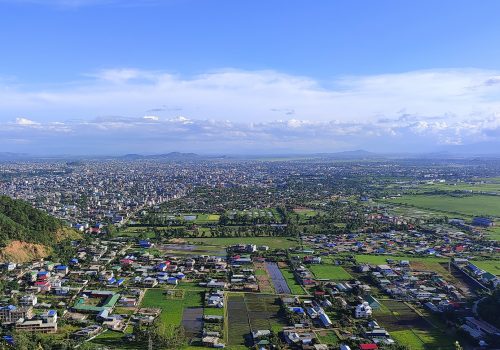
x: 106, y: 76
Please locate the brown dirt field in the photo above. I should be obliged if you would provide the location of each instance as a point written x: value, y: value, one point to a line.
x: 282, y: 265
x: 265, y: 285
x: 17, y: 251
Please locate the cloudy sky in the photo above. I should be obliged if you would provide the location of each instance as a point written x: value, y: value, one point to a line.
x: 151, y: 76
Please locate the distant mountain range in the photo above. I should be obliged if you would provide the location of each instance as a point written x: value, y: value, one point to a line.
x: 479, y: 150
x: 166, y: 156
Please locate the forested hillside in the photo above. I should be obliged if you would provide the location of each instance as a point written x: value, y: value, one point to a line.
x: 20, y: 221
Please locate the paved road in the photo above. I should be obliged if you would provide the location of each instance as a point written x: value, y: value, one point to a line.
x: 279, y: 281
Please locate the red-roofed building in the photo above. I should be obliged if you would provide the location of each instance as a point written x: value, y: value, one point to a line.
x: 44, y: 286
x: 371, y: 346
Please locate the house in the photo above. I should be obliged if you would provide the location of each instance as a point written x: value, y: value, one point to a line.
x: 150, y: 282
x: 363, y: 310
x: 43, y: 286
x: 127, y: 302
x: 261, y: 334
x: 62, y: 269
x: 325, y: 320
x: 481, y: 221
x: 172, y: 280
x: 36, y: 326
x: 28, y: 300
x: 12, y: 313
x: 212, y: 342
x: 49, y: 316
x: 145, y: 243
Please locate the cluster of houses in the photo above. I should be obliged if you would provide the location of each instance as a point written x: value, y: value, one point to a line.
x: 400, y: 281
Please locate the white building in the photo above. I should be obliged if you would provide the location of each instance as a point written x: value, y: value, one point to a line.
x: 363, y: 310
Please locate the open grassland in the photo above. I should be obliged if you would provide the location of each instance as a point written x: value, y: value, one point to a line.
x: 472, y: 187
x: 494, y: 233
x: 294, y: 286
x: 330, y: 272
x: 492, y: 266
x: 172, y: 306
x: 474, y: 205
x: 272, y: 242
x: 115, y: 340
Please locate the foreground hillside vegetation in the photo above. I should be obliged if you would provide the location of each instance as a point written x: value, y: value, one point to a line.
x: 26, y: 232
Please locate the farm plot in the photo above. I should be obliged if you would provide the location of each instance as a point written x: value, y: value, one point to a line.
x: 492, y: 266
x: 263, y: 279
x: 493, y: 233
x: 192, y: 320
x: 474, y: 205
x: 295, y: 287
x: 249, y: 312
x: 172, y: 306
x: 410, y: 328
x: 238, y: 325
x: 330, y: 272
x: 272, y: 242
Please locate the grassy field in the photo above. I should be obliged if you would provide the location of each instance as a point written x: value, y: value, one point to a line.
x: 272, y: 242
x: 114, y: 340
x: 476, y: 205
x: 295, y: 287
x: 412, y: 329
x: 494, y: 233
x: 172, y: 308
x: 330, y: 272
x: 382, y: 259
x: 492, y: 266
x: 475, y: 187
x: 328, y: 337
x: 271, y: 214
x: 420, y: 340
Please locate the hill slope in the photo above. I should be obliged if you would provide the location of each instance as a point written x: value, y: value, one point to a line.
x: 19, y: 221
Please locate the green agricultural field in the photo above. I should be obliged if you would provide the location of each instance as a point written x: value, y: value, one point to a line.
x: 494, y: 233
x: 214, y: 311
x: 272, y: 242
x: 420, y: 340
x: 474, y: 205
x: 492, y: 266
x: 412, y: 329
x: 250, y: 312
x: 382, y: 259
x: 328, y: 337
x: 115, y: 340
x: 330, y: 272
x: 476, y: 187
x: 172, y: 307
x: 294, y: 286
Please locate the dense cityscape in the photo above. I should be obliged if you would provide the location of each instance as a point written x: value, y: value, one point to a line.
x: 315, y: 253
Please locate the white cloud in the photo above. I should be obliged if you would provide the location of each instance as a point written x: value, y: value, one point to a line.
x: 437, y: 106
x: 25, y: 122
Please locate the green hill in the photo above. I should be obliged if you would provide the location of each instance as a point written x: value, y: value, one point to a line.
x: 21, y: 222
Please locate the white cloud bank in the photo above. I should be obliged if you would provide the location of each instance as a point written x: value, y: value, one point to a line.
x: 257, y: 108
